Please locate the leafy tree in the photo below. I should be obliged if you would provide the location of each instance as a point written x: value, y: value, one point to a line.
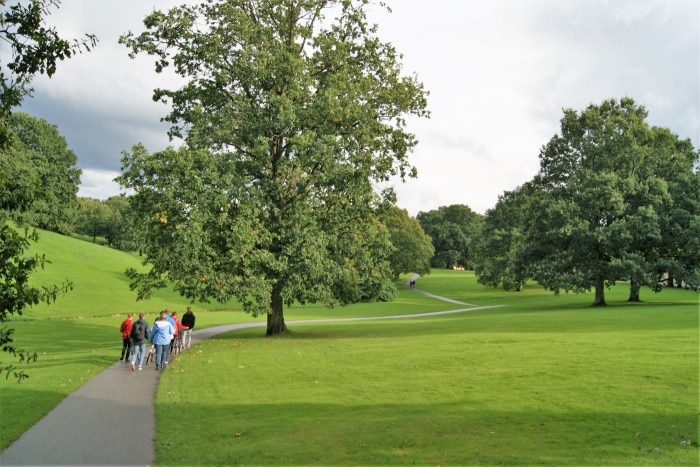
x: 499, y: 248
x: 35, y: 49
x: 54, y: 164
x: 290, y: 111
x: 413, y: 249
x: 120, y: 231
x: 600, y: 198
x: 678, y: 255
x: 93, y: 218
x: 452, y: 229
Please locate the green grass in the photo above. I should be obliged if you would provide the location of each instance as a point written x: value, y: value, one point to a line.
x: 545, y: 380
x: 542, y: 380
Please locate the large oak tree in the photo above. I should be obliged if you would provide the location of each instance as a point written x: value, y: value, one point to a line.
x: 290, y: 112
x: 615, y: 199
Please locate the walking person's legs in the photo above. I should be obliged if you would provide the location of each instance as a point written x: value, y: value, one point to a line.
x: 159, y: 351
x: 126, y: 346
x: 164, y: 349
x: 142, y: 352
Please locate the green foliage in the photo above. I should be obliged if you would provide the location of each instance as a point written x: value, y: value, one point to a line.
x: 54, y: 165
x: 413, y: 249
x: 34, y: 49
x: 602, y: 202
x: 290, y: 116
x: 120, y: 231
x: 93, y: 218
x: 499, y: 248
x: 452, y: 229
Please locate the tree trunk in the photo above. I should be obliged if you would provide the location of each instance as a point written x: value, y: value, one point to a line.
x: 634, y: 291
x: 599, y: 292
x: 275, y: 318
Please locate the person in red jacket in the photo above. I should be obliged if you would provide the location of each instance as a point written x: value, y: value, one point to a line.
x: 178, y: 325
x: 125, y: 329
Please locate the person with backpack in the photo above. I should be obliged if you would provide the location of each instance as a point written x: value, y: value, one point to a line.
x: 161, y: 335
x: 125, y: 329
x: 139, y: 337
x: 188, y: 320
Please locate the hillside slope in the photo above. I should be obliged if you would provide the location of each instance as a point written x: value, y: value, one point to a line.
x: 100, y: 286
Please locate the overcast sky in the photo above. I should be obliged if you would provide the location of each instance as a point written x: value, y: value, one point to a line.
x: 499, y: 73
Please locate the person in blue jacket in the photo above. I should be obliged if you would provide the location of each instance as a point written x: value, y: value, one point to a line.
x: 161, y: 335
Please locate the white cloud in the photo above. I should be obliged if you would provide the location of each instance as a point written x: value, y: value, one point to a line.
x: 499, y: 74
x: 99, y: 184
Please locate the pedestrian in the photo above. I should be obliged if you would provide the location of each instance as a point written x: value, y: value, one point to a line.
x: 188, y: 320
x: 172, y: 336
x: 161, y: 335
x: 178, y: 326
x: 139, y: 337
x: 125, y: 329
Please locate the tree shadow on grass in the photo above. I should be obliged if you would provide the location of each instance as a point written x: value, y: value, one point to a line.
x: 426, y: 434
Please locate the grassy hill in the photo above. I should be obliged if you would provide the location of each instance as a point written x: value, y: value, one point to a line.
x: 100, y: 287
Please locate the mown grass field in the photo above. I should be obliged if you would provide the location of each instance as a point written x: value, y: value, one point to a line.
x: 541, y: 380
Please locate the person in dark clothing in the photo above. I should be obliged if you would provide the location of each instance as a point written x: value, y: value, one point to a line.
x: 188, y: 320
x: 139, y: 337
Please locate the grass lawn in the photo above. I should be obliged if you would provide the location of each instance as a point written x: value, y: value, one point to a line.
x: 544, y: 380
x: 541, y: 380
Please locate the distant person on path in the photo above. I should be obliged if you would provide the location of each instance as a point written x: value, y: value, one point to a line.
x: 139, y: 337
x: 125, y: 329
x: 161, y: 335
x: 178, y: 326
x: 188, y: 320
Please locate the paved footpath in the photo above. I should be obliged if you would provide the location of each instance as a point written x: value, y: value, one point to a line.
x: 110, y: 420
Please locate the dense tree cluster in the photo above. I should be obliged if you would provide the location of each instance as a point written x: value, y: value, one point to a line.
x: 615, y: 199
x: 452, y: 229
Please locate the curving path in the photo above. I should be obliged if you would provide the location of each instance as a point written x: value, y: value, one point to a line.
x: 110, y: 420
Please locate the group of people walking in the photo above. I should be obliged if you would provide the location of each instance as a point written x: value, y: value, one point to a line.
x: 163, y: 334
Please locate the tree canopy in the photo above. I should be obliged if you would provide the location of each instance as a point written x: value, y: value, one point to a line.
x: 614, y: 199
x: 290, y: 112
x: 46, y: 151
x: 452, y: 230
x: 413, y: 248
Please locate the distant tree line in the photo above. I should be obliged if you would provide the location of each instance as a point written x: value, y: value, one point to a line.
x: 615, y: 199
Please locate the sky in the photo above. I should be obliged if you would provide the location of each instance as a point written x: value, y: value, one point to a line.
x: 499, y: 74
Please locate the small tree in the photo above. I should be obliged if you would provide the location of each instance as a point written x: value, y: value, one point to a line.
x: 413, y: 249
x: 93, y: 218
x: 290, y: 111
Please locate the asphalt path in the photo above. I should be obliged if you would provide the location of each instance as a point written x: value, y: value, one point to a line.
x: 110, y: 420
